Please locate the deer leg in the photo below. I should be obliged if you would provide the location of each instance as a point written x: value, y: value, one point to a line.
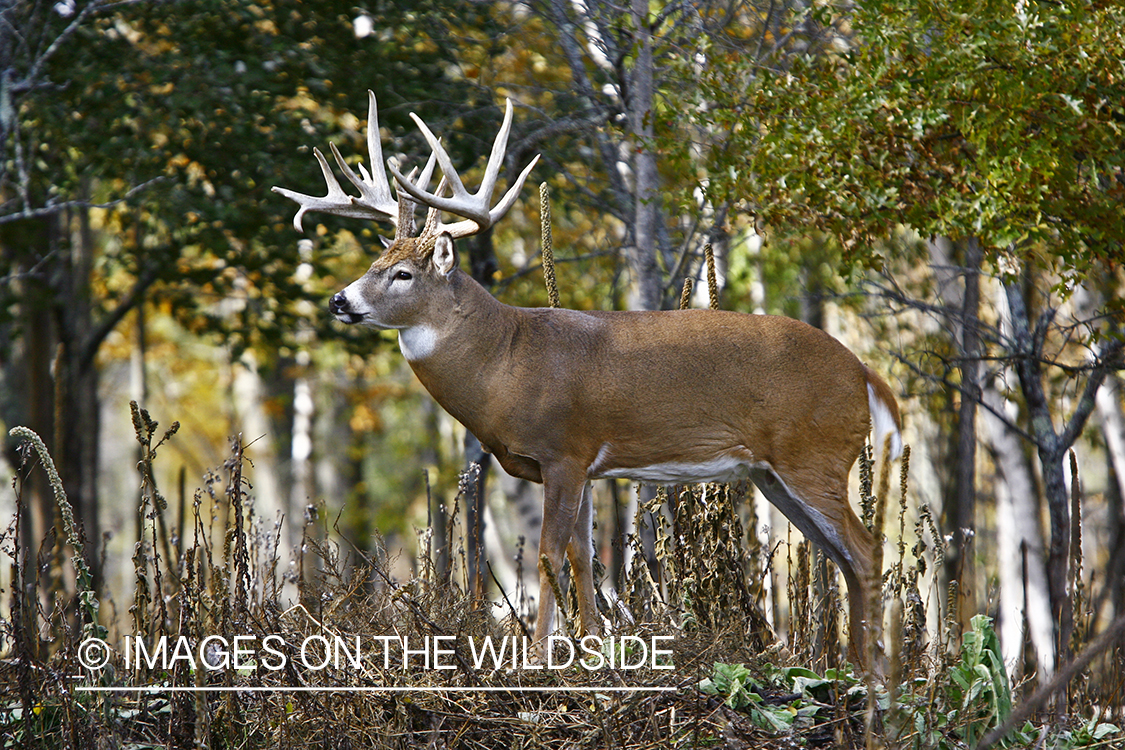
x: 563, y: 499
x: 864, y: 582
x: 827, y: 519
x: 581, y: 554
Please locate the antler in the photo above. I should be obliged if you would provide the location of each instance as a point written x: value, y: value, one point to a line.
x: 375, y: 200
x: 472, y: 206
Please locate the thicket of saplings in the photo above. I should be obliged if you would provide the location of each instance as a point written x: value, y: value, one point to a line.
x: 406, y: 659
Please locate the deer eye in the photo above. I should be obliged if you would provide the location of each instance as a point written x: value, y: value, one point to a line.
x: 402, y: 276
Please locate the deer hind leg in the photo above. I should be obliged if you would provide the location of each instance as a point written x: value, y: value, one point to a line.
x: 826, y: 518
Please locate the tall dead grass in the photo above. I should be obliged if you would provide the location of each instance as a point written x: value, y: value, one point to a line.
x: 699, y: 589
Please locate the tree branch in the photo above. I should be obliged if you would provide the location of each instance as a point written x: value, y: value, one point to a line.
x: 54, y: 208
x: 1108, y: 362
x: 30, y: 80
x: 94, y: 340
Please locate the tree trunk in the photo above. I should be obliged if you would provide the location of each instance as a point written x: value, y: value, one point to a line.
x: 1025, y: 605
x: 1050, y: 460
x: 248, y: 390
x: 39, y: 503
x: 1027, y: 353
x: 483, y: 265
x: 959, y: 284
x: 647, y: 289
x: 77, y: 440
x: 78, y: 412
x: 609, y: 52
x: 964, y: 499
x: 1113, y: 427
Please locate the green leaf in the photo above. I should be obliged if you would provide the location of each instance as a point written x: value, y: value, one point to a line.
x: 1105, y: 730
x: 773, y: 718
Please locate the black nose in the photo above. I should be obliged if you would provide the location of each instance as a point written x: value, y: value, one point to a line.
x: 338, y: 303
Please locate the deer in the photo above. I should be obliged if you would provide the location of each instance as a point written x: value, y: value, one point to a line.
x: 562, y: 397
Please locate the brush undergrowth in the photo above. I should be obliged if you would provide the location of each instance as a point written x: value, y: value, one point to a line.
x: 311, y: 671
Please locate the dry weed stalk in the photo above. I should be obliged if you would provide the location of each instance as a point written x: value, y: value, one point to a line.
x: 712, y: 280
x: 548, y: 246
x: 685, y: 293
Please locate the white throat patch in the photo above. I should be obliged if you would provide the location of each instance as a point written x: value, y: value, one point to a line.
x: 417, y: 342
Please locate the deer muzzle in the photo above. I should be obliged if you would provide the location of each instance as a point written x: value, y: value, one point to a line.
x: 341, y: 308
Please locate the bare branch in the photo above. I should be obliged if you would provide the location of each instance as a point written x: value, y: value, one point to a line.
x: 1108, y: 360
x: 105, y: 326
x: 31, y: 78
x: 56, y: 207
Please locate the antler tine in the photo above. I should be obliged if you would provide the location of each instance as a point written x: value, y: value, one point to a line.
x: 428, y: 173
x: 378, y: 177
x: 473, y: 207
x: 405, y: 222
x: 430, y: 228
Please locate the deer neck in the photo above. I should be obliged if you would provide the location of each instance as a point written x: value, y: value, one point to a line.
x: 458, y: 355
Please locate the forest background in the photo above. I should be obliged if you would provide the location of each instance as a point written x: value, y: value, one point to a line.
x: 938, y: 184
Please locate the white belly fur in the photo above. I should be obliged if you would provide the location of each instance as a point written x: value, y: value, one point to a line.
x: 731, y: 467
x: 725, y: 468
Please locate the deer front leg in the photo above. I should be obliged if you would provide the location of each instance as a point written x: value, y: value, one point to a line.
x: 581, y: 554
x: 568, y: 516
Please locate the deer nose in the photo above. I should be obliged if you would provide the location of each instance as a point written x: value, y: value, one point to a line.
x: 338, y: 303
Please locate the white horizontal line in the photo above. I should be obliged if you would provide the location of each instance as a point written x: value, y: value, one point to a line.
x: 368, y: 689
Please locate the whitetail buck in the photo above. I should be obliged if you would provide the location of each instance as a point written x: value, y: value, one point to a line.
x: 562, y: 397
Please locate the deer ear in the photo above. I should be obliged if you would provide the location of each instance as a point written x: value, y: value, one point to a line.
x: 385, y: 242
x: 445, y: 255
